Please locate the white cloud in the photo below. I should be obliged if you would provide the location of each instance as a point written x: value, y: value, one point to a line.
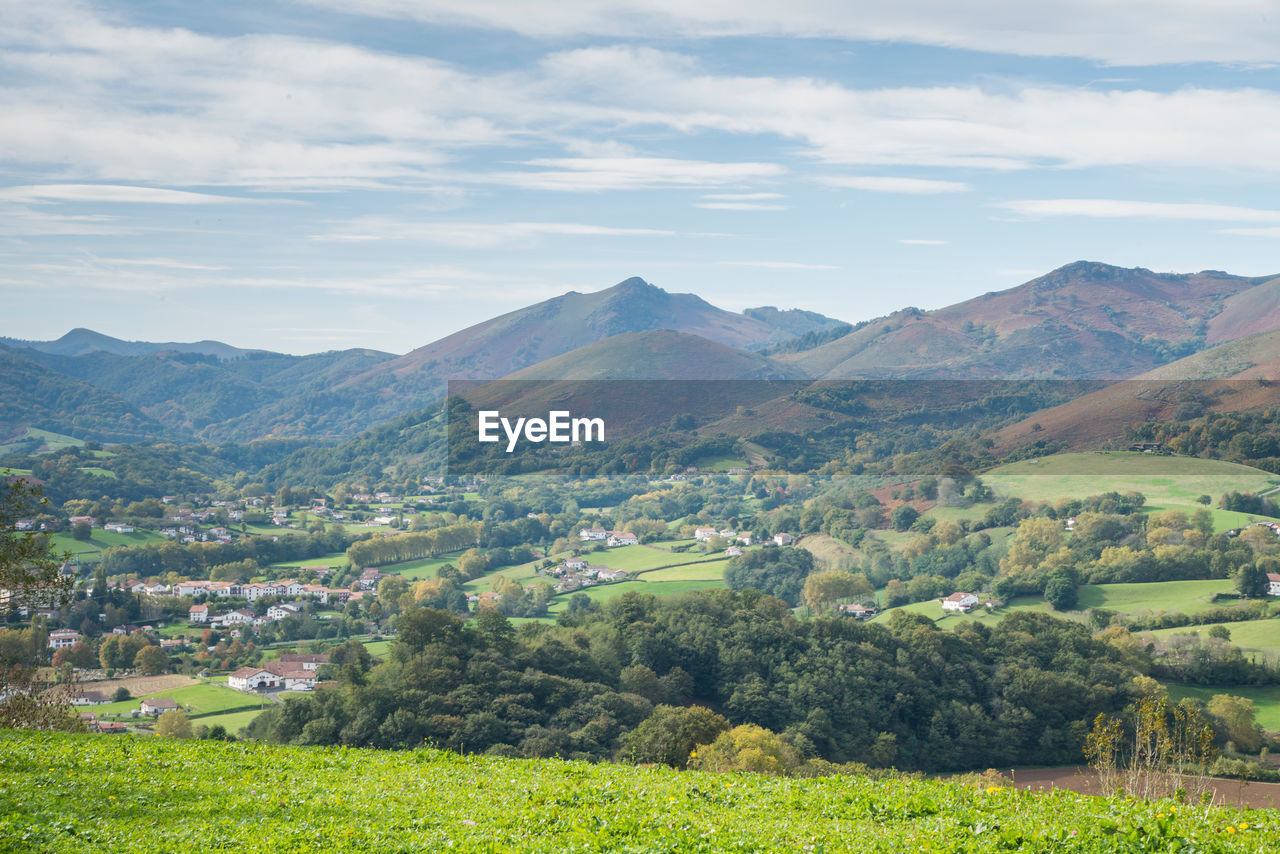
x: 110, y: 193
x: 1015, y: 127
x: 1118, y: 208
x: 1273, y: 231
x: 779, y: 265
x: 910, y: 186
x: 742, y: 197
x: 586, y: 174
x: 740, y: 206
x: 1136, y: 32
x: 474, y: 235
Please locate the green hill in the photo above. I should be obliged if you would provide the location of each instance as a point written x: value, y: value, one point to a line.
x: 83, y: 793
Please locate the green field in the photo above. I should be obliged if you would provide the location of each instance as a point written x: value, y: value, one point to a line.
x: 712, y: 570
x: 1188, y: 597
x: 232, y: 722
x: 50, y: 441
x: 1265, y: 698
x: 419, y: 569
x: 1261, y: 636
x: 334, y: 560
x: 605, y: 592
x: 84, y: 793
x: 101, y: 540
x: 1165, y: 481
x: 197, y: 699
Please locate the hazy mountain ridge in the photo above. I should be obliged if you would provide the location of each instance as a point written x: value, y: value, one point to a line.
x: 1085, y: 320
x: 81, y: 341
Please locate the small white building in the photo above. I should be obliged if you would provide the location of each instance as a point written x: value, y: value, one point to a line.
x: 198, y: 614
x: 783, y: 539
x: 704, y: 534
x: 587, y: 534
x: 961, y: 603
x: 1273, y: 583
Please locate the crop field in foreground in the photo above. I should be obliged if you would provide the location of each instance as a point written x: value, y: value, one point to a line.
x: 82, y: 793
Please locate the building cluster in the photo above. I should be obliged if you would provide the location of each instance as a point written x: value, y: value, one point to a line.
x: 253, y: 591
x: 611, y: 539
x: 574, y: 573
x: 289, y: 673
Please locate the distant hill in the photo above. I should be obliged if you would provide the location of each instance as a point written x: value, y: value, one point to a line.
x: 204, y: 396
x: 1237, y: 376
x: 1083, y: 321
x: 80, y: 341
x: 32, y: 395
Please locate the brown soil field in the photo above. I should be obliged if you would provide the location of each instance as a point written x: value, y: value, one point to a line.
x: 1083, y: 780
x: 140, y: 685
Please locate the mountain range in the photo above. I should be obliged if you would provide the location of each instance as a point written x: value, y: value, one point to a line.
x: 1086, y: 320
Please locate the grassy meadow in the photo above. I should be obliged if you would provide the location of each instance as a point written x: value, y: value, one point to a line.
x: 1165, y: 481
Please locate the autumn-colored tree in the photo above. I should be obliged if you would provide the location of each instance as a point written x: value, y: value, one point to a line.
x: 747, y: 748
x: 173, y: 724
x: 151, y: 661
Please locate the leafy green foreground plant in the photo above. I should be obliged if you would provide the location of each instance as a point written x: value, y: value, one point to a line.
x: 81, y: 793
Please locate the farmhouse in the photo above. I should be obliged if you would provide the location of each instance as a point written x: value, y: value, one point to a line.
x: 622, y: 538
x: 593, y: 534
x: 304, y: 662
x: 88, y: 698
x: 198, y: 614
x: 704, y: 534
x: 1273, y: 583
x: 861, y: 612
x: 733, y: 551
x: 158, y: 706
x: 119, y: 527
x: 960, y: 602
x: 253, y: 679
x: 783, y: 539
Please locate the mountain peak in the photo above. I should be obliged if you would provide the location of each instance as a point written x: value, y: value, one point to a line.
x: 635, y: 284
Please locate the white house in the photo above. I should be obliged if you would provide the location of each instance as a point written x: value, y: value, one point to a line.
x: 63, y: 638
x: 1273, y: 583
x: 119, y: 527
x: 732, y: 551
x: 253, y: 679
x: 783, y: 539
x: 704, y: 534
x: 593, y: 534
x: 157, y: 706
x: 89, y: 698
x: 960, y: 602
x: 622, y: 538
x: 607, y: 574
x: 198, y: 614
x: 279, y: 612
x: 238, y: 617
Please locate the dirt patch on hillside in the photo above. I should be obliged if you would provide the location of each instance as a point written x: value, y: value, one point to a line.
x: 140, y: 685
x: 1084, y: 781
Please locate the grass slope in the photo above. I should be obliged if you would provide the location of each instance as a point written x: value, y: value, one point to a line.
x: 81, y: 793
x: 1266, y: 698
x: 1165, y: 481
x: 1260, y: 636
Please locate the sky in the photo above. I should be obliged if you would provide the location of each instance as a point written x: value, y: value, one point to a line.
x: 308, y: 175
